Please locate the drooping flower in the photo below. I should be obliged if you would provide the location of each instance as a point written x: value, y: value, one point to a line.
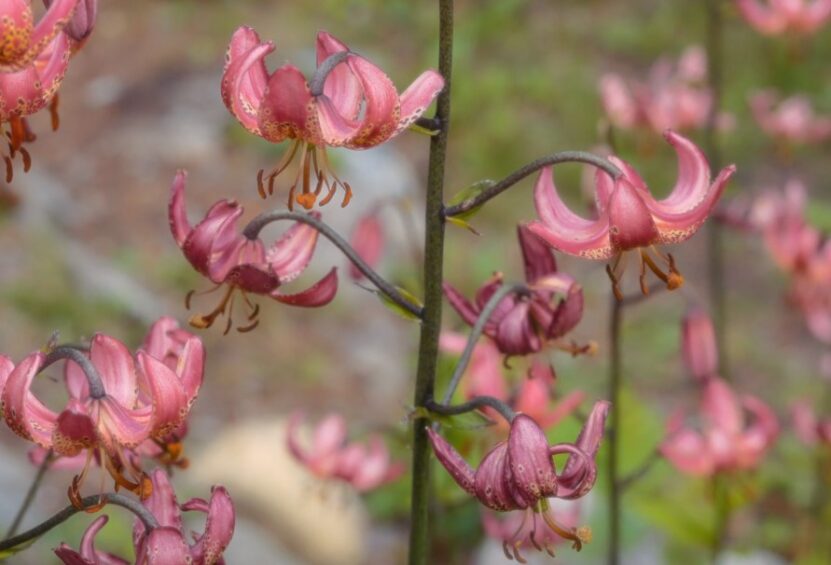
x: 349, y: 103
x: 789, y: 121
x: 110, y: 413
x: 675, y: 96
x: 82, y: 23
x: 523, y: 324
x: 365, y: 466
x: 726, y: 440
x: 630, y: 218
x: 698, y: 344
x: 226, y: 256
x: 21, y: 40
x: 520, y: 474
x: 170, y: 542
x: 775, y: 17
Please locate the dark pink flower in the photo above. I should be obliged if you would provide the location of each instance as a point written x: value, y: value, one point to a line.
x: 357, y: 106
x: 139, y: 400
x: 674, y: 97
x: 791, y: 120
x: 725, y: 441
x: 221, y: 252
x: 520, y: 474
x: 21, y: 40
x: 169, y: 543
x: 523, y: 324
x: 365, y: 466
x: 775, y: 17
x: 630, y: 218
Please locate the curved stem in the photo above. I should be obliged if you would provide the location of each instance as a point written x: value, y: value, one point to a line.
x: 428, y: 345
x: 253, y: 228
x: 476, y: 333
x: 96, y: 386
x: 475, y: 403
x: 615, y: 377
x: 130, y: 504
x: 532, y: 167
x: 30, y: 494
x: 323, y: 70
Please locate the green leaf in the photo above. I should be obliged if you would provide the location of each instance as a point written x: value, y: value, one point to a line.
x: 468, y: 421
x: 426, y: 131
x: 17, y: 549
x: 463, y: 224
x: 466, y: 194
x: 397, y: 308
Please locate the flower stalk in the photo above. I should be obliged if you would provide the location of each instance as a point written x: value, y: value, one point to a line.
x: 431, y: 315
x: 30, y: 494
x: 614, y: 431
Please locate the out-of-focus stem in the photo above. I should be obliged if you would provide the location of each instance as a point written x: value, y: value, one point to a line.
x: 30, y: 494
x: 614, y: 478
x: 721, y: 515
x: 715, y: 243
x: 428, y: 348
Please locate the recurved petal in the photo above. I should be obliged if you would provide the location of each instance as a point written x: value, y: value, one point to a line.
x: 515, y: 333
x: 537, y: 258
x: 563, y: 229
x: 319, y: 294
x: 461, y: 304
x: 119, y: 426
x: 88, y: 555
x: 167, y: 394
x: 533, y: 470
x: 630, y: 221
x: 24, y: 413
x: 687, y: 451
x: 6, y: 367
x: 219, y: 527
x: 74, y: 431
x: 245, y: 77
x: 493, y: 482
x: 283, y: 111
x: 342, y: 87
x: 48, y: 27
x: 382, y: 110
x: 458, y: 468
x: 116, y: 368
x: 191, y: 367
x: 213, y: 246
x: 580, y: 481
x: 291, y: 254
x: 176, y: 211
x: 162, y: 501
x: 163, y: 546
x: 417, y: 97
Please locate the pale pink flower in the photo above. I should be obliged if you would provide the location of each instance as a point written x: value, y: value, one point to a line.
x: 775, y: 17
x: 630, y: 218
x: 365, y: 466
x: 789, y: 120
x: 357, y: 106
x: 726, y: 440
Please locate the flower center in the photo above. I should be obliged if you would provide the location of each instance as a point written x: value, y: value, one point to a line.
x: 670, y: 276
x: 226, y: 304
x: 314, y: 174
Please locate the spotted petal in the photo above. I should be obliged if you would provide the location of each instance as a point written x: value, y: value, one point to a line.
x: 319, y: 294
x: 450, y: 459
x: 341, y: 87
x: 290, y: 255
x: 533, y: 470
x: 219, y: 526
x: 418, y: 96
x: 283, y: 111
x: 24, y: 413
x: 245, y: 76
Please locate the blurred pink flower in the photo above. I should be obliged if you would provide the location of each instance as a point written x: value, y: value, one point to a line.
x: 169, y: 543
x: 21, y: 40
x: 365, y: 466
x: 726, y: 441
x: 807, y: 426
x: 368, y: 240
x: 630, y: 218
x: 775, y: 17
x: 791, y: 120
x: 521, y: 325
x: 135, y: 401
x: 698, y: 344
x: 356, y: 106
x: 219, y: 251
x: 675, y: 96
x: 519, y: 474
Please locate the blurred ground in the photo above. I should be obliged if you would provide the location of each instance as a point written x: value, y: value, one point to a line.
x: 89, y: 250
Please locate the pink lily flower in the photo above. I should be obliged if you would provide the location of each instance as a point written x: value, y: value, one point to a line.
x: 698, y: 344
x: 82, y: 23
x: 515, y: 526
x: 28, y: 90
x: 169, y: 543
x: 810, y: 429
x: 368, y: 240
x: 219, y: 251
x: 726, y: 441
x: 775, y: 17
x: 355, y: 106
x: 134, y: 401
x: 365, y: 466
x: 630, y: 218
x: 21, y: 40
x: 674, y: 97
x: 520, y: 474
x: 792, y: 120
x: 523, y: 324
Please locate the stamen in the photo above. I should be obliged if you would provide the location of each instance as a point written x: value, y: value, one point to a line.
x: 249, y: 327
x: 53, y: 112
x: 506, y: 551
x: 615, y: 286
x: 566, y: 533
x: 9, y: 168
x: 27, y: 159
x: 576, y: 349
x: 18, y: 133
x: 260, y: 186
x: 203, y: 321
x: 517, y: 555
x: 676, y: 279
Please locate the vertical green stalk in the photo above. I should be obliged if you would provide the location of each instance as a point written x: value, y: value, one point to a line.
x: 721, y: 513
x: 715, y: 242
x: 431, y: 323
x: 614, y: 432
x: 30, y: 494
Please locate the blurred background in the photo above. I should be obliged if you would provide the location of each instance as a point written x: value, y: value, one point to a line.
x: 87, y: 249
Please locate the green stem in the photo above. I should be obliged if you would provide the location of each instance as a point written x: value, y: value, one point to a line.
x: 715, y: 243
x: 431, y: 320
x: 721, y: 515
x: 614, y: 478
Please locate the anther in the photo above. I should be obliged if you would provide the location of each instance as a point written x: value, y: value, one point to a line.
x: 615, y: 287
